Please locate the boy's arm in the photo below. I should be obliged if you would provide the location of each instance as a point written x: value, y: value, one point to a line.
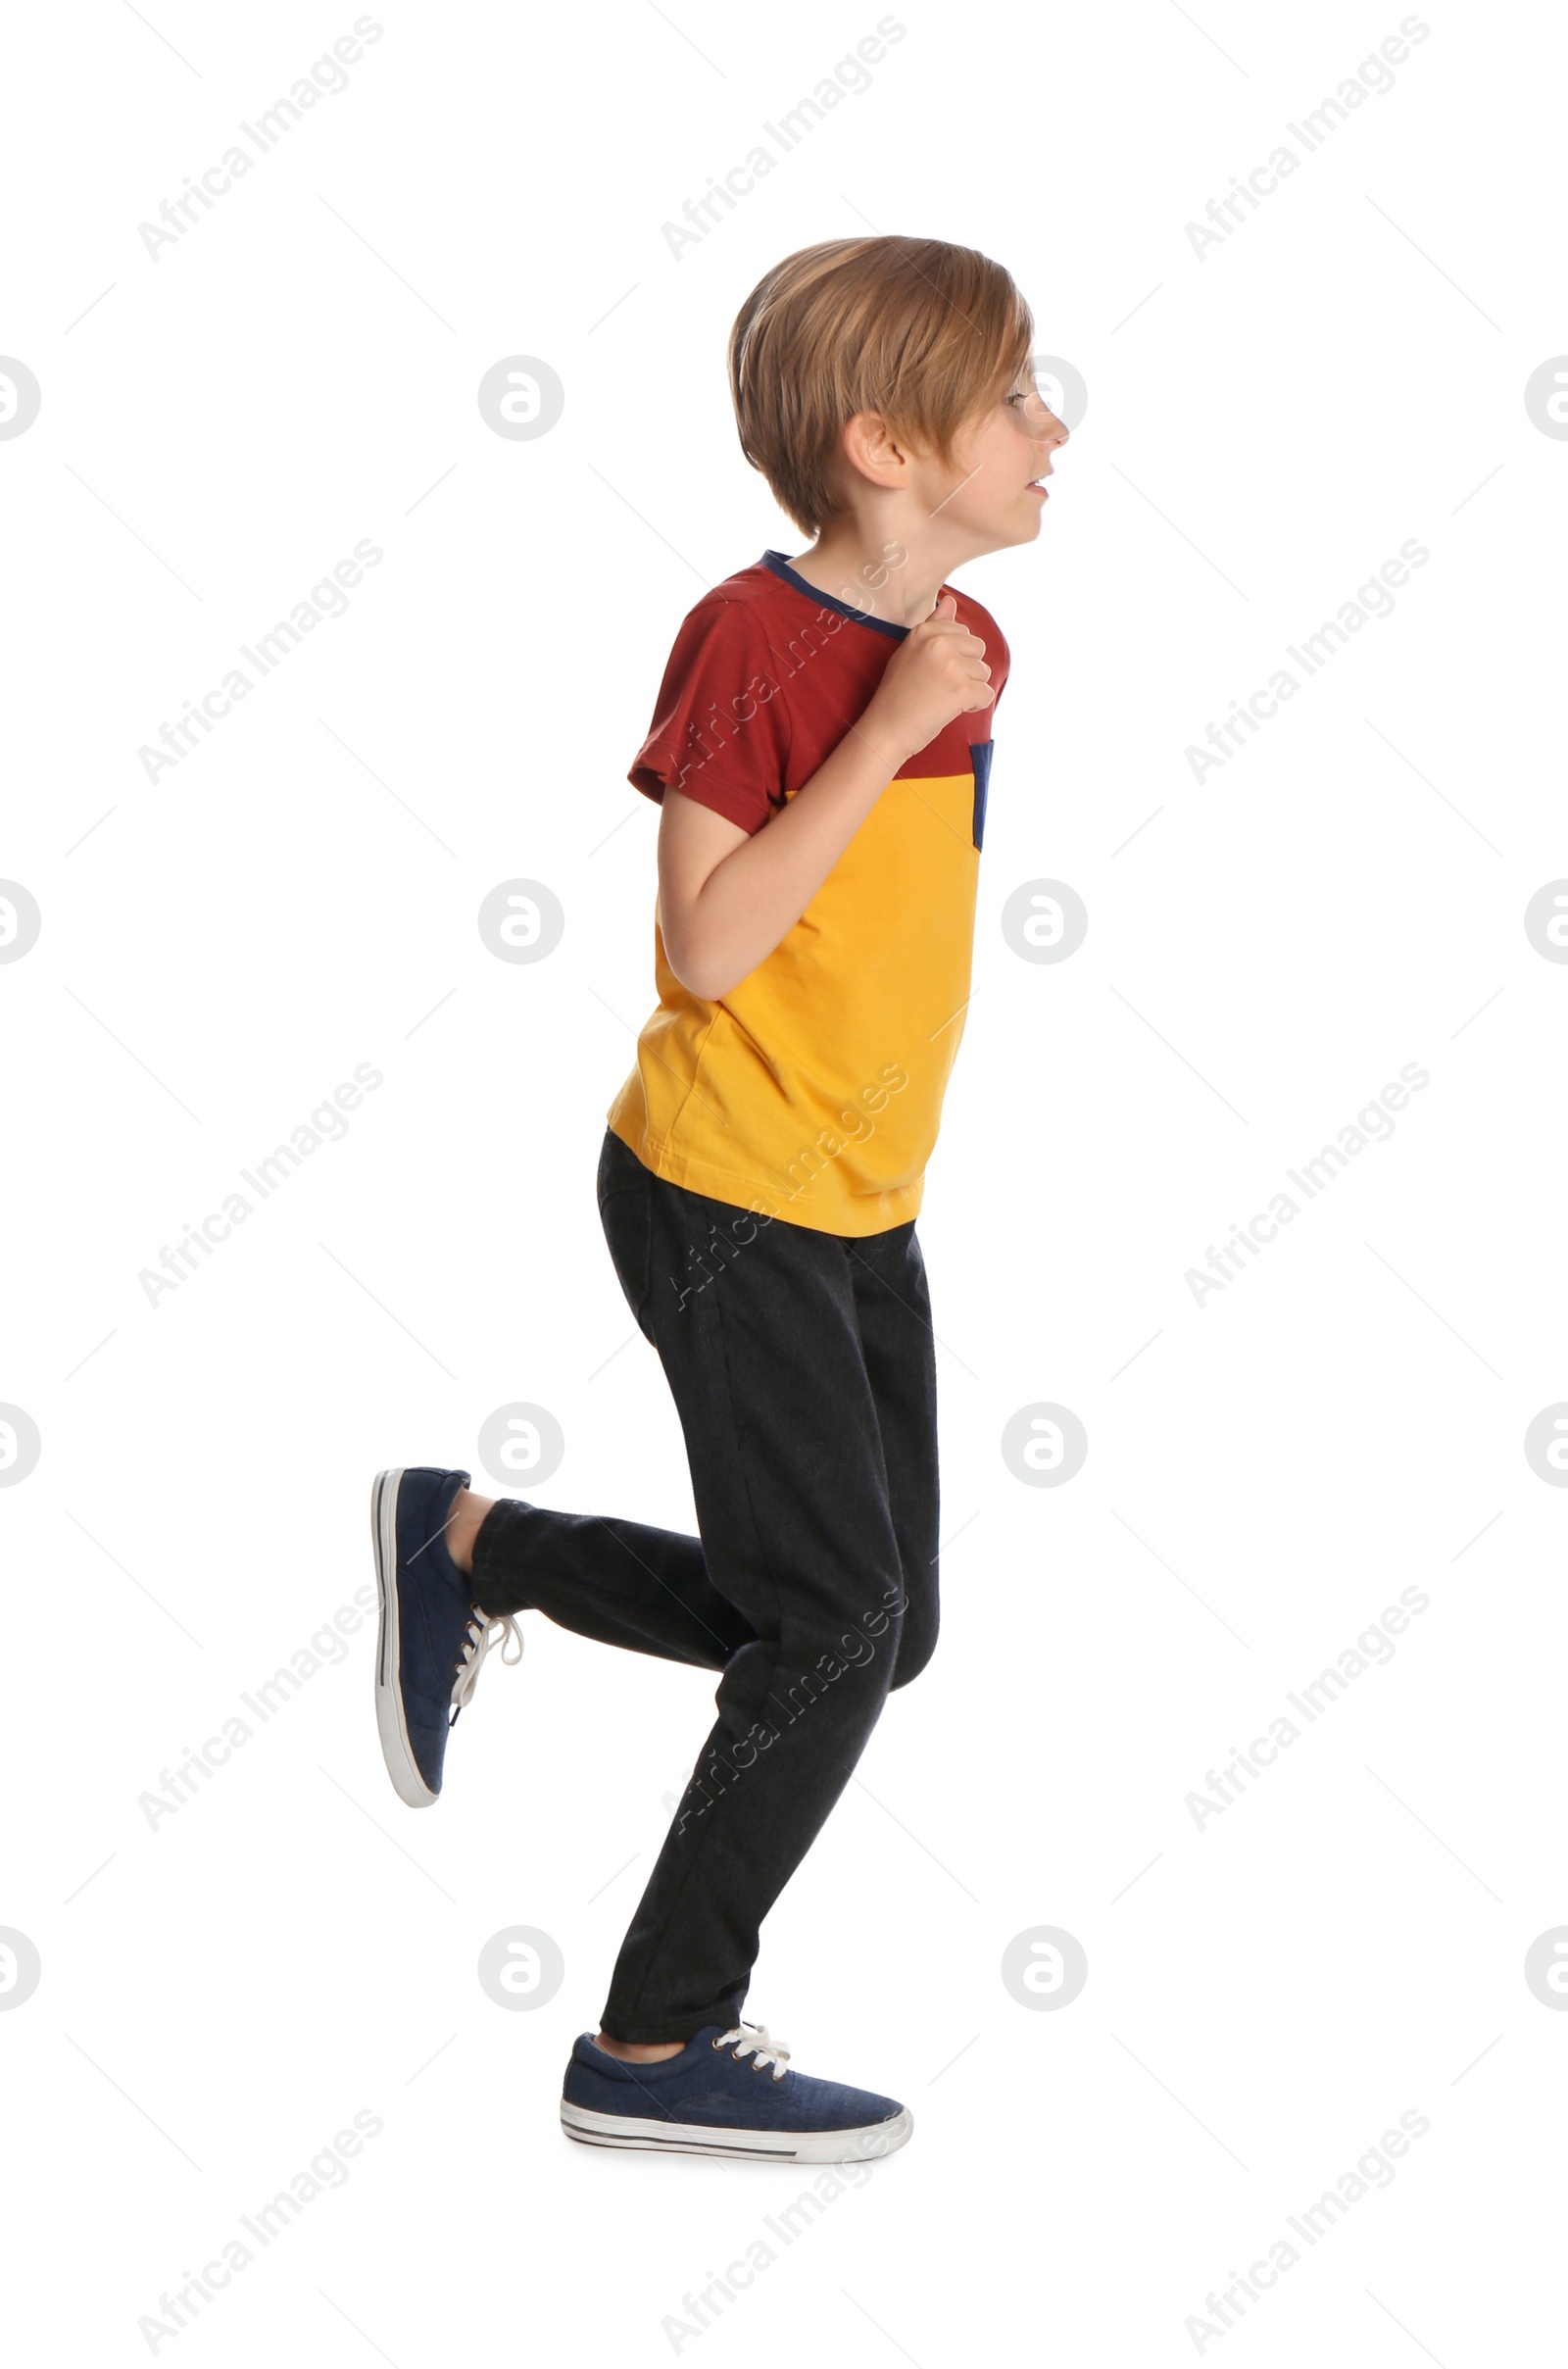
x: 725, y: 898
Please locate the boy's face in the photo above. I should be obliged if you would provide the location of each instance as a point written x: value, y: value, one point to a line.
x: 994, y: 493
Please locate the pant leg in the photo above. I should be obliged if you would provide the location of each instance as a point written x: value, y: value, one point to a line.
x: 757, y: 1326
x: 893, y: 1306
x: 622, y: 1583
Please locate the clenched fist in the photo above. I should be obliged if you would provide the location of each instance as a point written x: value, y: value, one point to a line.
x: 937, y: 674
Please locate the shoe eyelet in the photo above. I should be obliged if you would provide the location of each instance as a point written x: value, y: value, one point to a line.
x: 716, y: 2043
x: 739, y: 2059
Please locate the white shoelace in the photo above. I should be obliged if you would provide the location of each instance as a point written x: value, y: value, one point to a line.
x: 483, y: 1635
x: 755, y: 2041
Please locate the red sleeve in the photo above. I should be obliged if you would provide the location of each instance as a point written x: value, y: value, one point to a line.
x: 720, y: 732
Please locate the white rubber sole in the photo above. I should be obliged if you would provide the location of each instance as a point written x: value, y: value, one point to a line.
x: 396, y: 1750
x: 867, y: 2144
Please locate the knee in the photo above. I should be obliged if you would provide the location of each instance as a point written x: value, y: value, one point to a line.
x: 916, y: 1643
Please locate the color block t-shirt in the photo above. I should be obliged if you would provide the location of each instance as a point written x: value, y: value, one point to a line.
x: 813, y: 1089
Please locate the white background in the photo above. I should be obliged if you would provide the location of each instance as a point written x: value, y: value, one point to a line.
x: 1267, y: 1993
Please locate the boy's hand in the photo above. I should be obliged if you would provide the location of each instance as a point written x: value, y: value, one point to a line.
x: 938, y: 673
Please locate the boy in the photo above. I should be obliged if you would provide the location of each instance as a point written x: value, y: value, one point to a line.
x: 821, y: 752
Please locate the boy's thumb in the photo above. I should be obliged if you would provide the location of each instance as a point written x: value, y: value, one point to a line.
x: 946, y: 606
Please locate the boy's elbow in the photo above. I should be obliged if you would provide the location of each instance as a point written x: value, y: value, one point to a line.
x: 683, y: 959
x: 700, y: 975
x: 695, y: 950
x: 684, y: 950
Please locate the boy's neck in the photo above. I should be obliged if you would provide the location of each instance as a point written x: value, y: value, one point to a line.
x: 857, y: 562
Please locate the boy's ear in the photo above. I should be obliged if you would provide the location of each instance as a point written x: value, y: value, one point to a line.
x: 871, y: 448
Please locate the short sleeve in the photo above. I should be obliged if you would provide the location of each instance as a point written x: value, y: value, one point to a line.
x: 719, y: 733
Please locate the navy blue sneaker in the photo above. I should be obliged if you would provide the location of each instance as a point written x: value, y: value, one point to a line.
x: 728, y: 2092
x: 432, y: 1639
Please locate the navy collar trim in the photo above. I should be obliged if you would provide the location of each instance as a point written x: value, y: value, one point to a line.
x: 780, y: 566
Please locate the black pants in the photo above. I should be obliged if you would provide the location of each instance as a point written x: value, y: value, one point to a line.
x: 804, y: 1371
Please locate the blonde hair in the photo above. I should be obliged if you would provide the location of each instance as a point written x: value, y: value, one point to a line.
x: 921, y: 331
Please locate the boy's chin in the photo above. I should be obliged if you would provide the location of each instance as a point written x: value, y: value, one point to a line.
x: 1005, y: 534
